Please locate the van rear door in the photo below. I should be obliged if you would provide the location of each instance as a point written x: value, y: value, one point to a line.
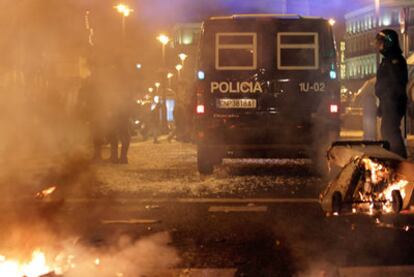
x: 275, y: 67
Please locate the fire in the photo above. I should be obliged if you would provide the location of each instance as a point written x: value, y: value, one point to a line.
x: 36, y: 267
x: 379, y: 182
x: 39, y: 265
x: 46, y: 192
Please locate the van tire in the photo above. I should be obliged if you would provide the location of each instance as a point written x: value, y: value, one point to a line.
x: 205, y: 162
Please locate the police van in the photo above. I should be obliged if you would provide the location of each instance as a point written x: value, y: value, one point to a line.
x: 267, y: 87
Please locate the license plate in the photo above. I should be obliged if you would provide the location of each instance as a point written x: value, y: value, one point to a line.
x: 236, y: 103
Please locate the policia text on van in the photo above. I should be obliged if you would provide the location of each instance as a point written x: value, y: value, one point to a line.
x: 267, y: 88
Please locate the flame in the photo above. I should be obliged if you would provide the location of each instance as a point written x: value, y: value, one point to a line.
x: 381, y: 178
x: 36, y: 267
x: 44, y: 193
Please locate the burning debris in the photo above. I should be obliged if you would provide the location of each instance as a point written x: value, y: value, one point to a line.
x: 45, y: 193
x: 140, y: 258
x: 373, y: 181
x: 37, y: 266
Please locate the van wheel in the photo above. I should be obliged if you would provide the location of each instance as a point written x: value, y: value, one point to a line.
x: 204, y: 161
x: 397, y: 201
x: 336, y: 203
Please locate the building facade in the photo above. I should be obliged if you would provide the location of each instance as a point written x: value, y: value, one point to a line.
x: 359, y: 59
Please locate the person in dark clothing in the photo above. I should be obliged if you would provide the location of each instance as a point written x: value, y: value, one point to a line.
x: 119, y: 132
x: 155, y: 120
x: 120, y: 111
x: 178, y: 131
x: 119, y: 108
x: 390, y: 88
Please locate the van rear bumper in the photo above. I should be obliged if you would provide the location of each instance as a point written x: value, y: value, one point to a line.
x: 259, y: 151
x: 281, y: 141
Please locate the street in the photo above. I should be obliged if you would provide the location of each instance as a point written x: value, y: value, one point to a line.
x: 251, y: 218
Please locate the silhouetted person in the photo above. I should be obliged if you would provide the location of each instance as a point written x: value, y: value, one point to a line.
x: 155, y: 120
x: 390, y: 88
x: 120, y: 133
x: 178, y: 131
x: 120, y: 114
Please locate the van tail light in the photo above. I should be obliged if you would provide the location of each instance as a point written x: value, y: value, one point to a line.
x: 334, y: 108
x: 200, y: 109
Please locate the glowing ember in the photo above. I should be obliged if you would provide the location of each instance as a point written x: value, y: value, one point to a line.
x: 97, y: 261
x: 44, y: 193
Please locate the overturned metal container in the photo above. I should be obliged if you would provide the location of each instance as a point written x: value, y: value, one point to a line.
x: 368, y: 179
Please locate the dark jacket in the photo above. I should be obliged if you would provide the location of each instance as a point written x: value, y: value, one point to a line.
x: 392, y: 79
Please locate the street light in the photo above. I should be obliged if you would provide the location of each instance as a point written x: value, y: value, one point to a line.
x: 164, y: 41
x: 178, y: 67
x: 169, y: 76
x: 150, y: 90
x: 332, y: 22
x: 182, y: 57
x: 125, y: 10
x: 157, y: 86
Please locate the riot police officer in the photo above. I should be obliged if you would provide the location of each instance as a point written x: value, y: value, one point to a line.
x: 390, y: 88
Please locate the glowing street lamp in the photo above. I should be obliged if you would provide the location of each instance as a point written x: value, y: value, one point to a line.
x: 157, y: 86
x: 179, y: 67
x: 150, y: 90
x: 332, y: 22
x: 169, y: 76
x: 164, y: 41
x: 125, y: 11
x: 182, y: 57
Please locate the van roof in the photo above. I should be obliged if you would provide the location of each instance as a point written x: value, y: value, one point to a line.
x: 258, y: 16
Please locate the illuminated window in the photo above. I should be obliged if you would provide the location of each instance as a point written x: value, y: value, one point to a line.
x: 297, y: 51
x: 236, y: 51
x: 386, y: 20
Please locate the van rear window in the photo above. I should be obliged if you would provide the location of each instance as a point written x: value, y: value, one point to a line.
x: 236, y: 51
x: 297, y: 51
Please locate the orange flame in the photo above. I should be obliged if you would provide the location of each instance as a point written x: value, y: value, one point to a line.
x: 37, y: 266
x: 44, y: 193
x: 379, y: 173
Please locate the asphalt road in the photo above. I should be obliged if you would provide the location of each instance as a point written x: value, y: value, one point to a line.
x: 251, y: 218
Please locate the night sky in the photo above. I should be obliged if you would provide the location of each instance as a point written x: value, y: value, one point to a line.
x: 165, y: 11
